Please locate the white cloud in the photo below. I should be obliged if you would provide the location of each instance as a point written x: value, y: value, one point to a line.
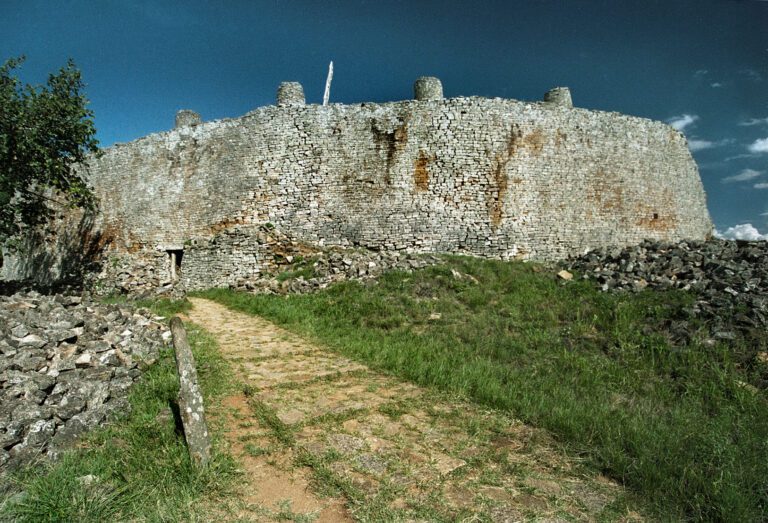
x: 745, y: 231
x: 761, y: 185
x: 715, y: 85
x: 740, y: 156
x: 700, y: 72
x: 743, y: 176
x: 699, y: 145
x: 753, y: 75
x: 682, y: 121
x: 754, y: 121
x: 759, y: 146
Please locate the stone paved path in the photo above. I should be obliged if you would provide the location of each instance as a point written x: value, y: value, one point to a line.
x: 322, y: 438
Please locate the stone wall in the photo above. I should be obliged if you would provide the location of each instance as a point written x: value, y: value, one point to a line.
x: 57, y: 255
x: 487, y: 177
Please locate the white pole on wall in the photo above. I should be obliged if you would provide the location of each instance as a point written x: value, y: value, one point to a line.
x: 327, y: 94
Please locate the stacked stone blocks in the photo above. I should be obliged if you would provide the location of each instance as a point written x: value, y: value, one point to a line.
x: 485, y: 177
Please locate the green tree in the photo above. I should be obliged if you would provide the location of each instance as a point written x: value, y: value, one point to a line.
x: 44, y: 131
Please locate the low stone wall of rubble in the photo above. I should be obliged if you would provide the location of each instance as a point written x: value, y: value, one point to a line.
x: 66, y: 366
x: 730, y: 279
x: 318, y: 271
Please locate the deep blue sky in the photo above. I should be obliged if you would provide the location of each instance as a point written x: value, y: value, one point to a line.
x: 702, y: 64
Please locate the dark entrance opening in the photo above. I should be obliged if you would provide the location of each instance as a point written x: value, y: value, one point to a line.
x: 175, y: 256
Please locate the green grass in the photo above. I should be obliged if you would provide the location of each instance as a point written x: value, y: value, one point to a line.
x: 268, y: 417
x: 675, y: 423
x: 301, y: 267
x: 304, y: 272
x: 163, y: 306
x: 140, y: 463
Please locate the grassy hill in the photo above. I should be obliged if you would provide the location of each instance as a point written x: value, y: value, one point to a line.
x: 678, y: 423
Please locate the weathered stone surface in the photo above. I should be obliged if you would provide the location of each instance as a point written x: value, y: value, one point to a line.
x: 428, y: 88
x: 185, y: 118
x: 190, y: 398
x: 487, y: 177
x: 560, y: 96
x: 69, y: 405
x: 290, y: 93
x: 39, y: 433
x: 19, y: 331
x: 11, y: 434
x: 57, y: 369
x: 32, y: 340
x: 27, y: 412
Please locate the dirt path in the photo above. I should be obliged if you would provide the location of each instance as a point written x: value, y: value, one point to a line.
x: 322, y: 438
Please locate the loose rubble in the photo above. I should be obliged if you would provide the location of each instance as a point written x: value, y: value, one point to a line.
x: 305, y: 275
x: 730, y: 279
x: 66, y: 366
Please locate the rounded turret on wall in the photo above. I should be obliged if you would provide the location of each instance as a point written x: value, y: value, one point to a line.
x: 428, y: 88
x: 560, y: 96
x: 290, y: 93
x: 185, y: 118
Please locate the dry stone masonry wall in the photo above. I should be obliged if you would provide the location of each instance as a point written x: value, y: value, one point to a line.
x: 559, y: 96
x: 487, y: 177
x: 185, y: 118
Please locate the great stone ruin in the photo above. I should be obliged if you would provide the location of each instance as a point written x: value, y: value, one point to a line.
x: 210, y: 203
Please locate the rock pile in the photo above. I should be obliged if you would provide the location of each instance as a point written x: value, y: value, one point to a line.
x: 145, y: 277
x: 66, y: 365
x: 324, y: 268
x: 730, y: 279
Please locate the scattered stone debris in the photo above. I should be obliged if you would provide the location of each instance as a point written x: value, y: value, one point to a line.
x: 322, y: 269
x: 144, y: 278
x: 729, y: 278
x: 66, y: 365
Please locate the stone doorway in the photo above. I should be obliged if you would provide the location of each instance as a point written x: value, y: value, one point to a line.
x: 174, y: 262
